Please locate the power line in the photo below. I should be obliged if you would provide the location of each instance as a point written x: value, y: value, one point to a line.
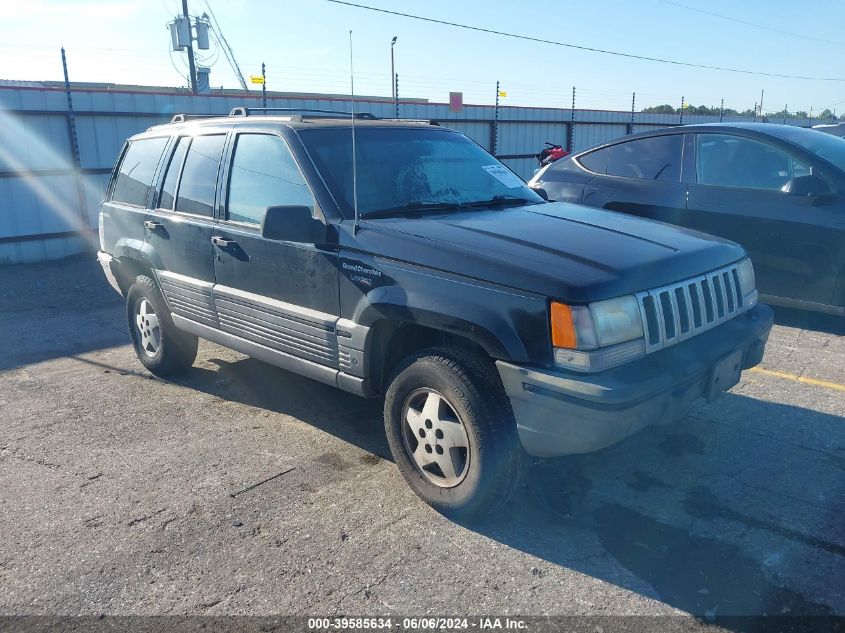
x: 227, y: 50
x: 584, y: 48
x: 751, y: 24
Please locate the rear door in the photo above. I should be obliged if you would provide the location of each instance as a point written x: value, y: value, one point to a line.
x: 640, y: 177
x: 180, y: 228
x: 125, y: 209
x: 283, y: 295
x: 790, y: 239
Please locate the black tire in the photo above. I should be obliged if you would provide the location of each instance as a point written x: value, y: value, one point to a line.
x: 176, y: 350
x: 472, y: 388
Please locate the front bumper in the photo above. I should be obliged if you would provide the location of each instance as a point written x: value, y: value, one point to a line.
x: 561, y: 412
x: 106, y: 262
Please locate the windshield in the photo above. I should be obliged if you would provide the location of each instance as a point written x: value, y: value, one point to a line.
x: 407, y: 168
x: 829, y: 147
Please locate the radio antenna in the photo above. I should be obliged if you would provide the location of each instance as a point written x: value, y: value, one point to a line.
x: 354, y: 155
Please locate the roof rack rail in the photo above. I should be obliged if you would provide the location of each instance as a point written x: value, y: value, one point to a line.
x: 182, y: 117
x: 245, y: 111
x: 422, y: 121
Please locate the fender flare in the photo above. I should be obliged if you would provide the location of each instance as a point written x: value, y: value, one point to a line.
x: 133, y: 253
x: 478, y: 322
x: 138, y: 250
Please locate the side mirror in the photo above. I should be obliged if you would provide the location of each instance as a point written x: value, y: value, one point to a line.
x: 806, y: 186
x: 292, y: 224
x: 541, y: 192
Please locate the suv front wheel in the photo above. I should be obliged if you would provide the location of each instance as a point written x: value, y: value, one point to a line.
x: 451, y: 431
x: 162, y: 348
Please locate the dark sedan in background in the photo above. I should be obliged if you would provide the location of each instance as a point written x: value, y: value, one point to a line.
x: 837, y: 129
x: 778, y: 190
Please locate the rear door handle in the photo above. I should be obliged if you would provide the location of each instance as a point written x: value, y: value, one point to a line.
x: 152, y: 225
x: 222, y: 242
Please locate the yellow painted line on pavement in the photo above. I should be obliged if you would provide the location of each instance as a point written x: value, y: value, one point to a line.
x: 807, y: 381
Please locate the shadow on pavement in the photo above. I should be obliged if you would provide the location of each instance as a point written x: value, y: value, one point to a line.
x: 706, y: 515
x: 828, y: 323
x: 57, y: 309
x: 716, y: 520
x: 252, y: 382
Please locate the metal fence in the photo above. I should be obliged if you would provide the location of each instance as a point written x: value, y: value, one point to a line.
x: 50, y: 190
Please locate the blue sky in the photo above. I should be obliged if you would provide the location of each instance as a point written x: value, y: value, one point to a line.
x: 304, y: 44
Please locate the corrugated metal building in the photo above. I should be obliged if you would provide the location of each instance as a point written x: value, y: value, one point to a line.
x: 49, y: 205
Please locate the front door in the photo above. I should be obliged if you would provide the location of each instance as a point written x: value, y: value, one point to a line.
x: 179, y: 230
x: 639, y: 177
x: 792, y: 240
x: 283, y: 295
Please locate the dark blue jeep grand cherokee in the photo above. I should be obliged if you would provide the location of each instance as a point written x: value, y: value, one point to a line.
x: 419, y: 268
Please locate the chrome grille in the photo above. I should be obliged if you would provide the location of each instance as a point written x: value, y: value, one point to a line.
x: 674, y: 313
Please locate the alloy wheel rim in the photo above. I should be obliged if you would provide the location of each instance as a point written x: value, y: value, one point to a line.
x: 435, y: 438
x: 149, y: 328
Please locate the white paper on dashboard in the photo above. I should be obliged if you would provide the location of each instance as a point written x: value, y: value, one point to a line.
x: 504, y: 176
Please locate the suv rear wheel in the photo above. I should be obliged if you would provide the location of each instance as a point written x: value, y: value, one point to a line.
x: 451, y: 431
x: 162, y: 348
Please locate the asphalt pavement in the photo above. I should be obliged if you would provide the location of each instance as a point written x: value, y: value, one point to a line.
x: 244, y: 489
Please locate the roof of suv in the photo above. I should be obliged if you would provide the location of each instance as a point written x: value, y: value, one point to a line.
x: 295, y: 122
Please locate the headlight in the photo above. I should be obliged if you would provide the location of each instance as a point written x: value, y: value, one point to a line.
x: 745, y: 270
x: 617, y: 320
x: 599, y: 336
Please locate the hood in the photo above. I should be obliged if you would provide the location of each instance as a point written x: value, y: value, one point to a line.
x: 564, y: 251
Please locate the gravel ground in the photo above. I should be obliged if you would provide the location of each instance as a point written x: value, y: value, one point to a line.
x: 244, y: 489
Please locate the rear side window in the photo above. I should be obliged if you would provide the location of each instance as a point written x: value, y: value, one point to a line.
x: 136, y: 171
x: 264, y: 174
x: 171, y: 179
x: 656, y: 158
x: 595, y: 161
x: 199, y: 176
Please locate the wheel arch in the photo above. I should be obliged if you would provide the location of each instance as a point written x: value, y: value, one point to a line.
x: 132, y: 258
x: 391, y: 340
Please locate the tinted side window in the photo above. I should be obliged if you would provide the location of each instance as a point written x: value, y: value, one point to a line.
x: 656, y: 158
x: 136, y: 171
x: 168, y: 189
x: 264, y: 174
x: 595, y: 161
x: 733, y: 161
x: 199, y: 176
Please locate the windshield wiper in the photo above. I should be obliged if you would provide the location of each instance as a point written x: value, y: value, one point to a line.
x: 421, y: 206
x: 499, y: 201
x: 414, y: 207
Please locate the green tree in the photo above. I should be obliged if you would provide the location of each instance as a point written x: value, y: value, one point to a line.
x: 661, y: 109
x: 827, y: 115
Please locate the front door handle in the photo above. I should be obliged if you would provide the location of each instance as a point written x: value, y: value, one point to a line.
x: 152, y: 225
x: 222, y: 242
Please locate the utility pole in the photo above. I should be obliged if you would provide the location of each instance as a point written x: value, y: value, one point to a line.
x: 681, y: 118
x: 755, y: 111
x: 393, y: 77
x: 71, y: 118
x: 496, y: 121
x: 633, y: 102
x: 571, y: 142
x: 263, y: 86
x: 721, y: 110
x: 77, y: 163
x: 191, y: 65
x: 761, y: 105
x: 785, y: 112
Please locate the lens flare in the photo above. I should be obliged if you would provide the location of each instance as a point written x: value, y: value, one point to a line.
x: 20, y: 141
